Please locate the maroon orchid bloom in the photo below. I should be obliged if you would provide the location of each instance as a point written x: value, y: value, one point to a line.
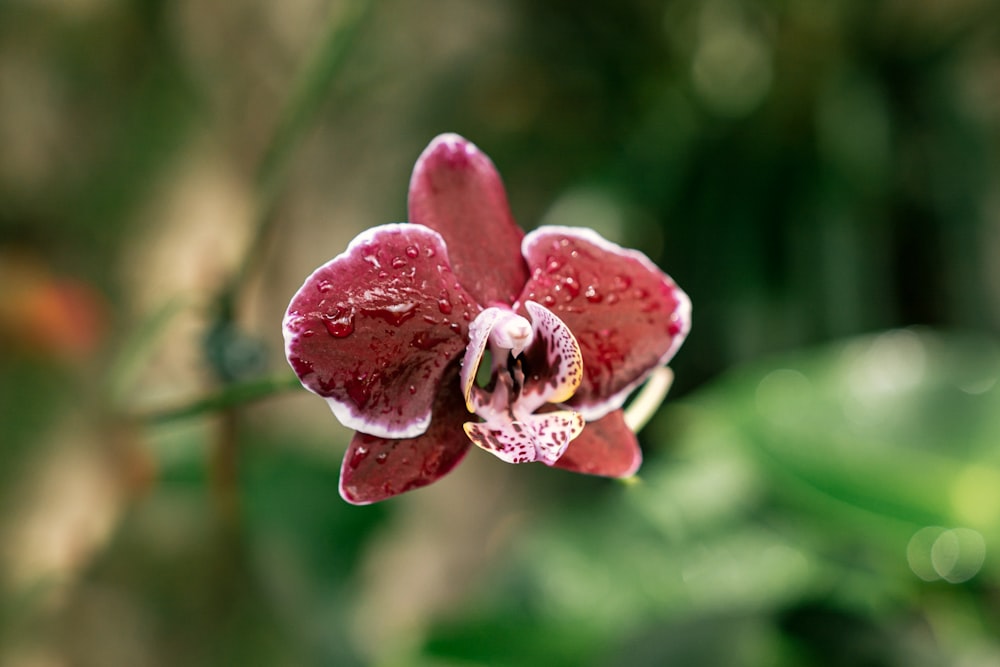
x: 459, y: 329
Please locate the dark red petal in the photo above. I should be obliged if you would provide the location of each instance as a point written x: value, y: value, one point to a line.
x: 627, y: 315
x: 377, y: 468
x: 456, y: 190
x: 607, y: 447
x: 374, y: 329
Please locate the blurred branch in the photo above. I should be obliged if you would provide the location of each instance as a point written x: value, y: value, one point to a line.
x: 230, y: 396
x: 308, y: 95
x: 137, y: 348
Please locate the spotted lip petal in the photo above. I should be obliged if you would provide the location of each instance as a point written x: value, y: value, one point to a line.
x: 378, y: 468
x: 607, y: 448
x: 537, y: 437
x: 456, y: 190
x: 627, y: 315
x: 373, y: 330
x: 554, y: 364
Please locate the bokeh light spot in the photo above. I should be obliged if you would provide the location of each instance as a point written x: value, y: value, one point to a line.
x: 975, y: 496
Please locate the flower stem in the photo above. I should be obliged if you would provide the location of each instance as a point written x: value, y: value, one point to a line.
x: 649, y: 398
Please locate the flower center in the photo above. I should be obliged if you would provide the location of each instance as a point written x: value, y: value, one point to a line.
x: 535, y: 366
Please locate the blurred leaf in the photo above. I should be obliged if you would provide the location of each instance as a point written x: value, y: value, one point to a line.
x: 792, y: 485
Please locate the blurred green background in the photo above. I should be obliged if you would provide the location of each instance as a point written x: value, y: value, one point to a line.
x: 821, y: 488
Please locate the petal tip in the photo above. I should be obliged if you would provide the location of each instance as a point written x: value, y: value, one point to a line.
x: 448, y: 150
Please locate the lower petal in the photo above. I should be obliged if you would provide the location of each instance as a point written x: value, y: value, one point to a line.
x: 378, y: 468
x: 538, y: 437
x: 607, y: 447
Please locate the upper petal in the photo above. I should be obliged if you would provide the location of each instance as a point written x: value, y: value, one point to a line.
x: 607, y: 447
x: 377, y: 468
x: 374, y: 329
x: 627, y: 315
x: 456, y: 190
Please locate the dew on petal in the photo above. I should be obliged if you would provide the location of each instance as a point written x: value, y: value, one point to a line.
x: 359, y: 389
x: 398, y: 262
x: 621, y: 283
x: 301, y: 366
x: 444, y: 303
x: 676, y: 325
x: 553, y: 264
x: 426, y: 340
x: 324, y: 286
x: 359, y: 455
x: 339, y: 323
x: 395, y: 314
x: 592, y: 295
x: 571, y: 285
x: 412, y: 251
x: 381, y: 457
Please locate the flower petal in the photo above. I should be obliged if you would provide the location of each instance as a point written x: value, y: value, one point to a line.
x: 554, y: 363
x: 377, y: 468
x: 456, y: 190
x: 627, y: 315
x: 607, y: 447
x: 373, y: 330
x: 479, y: 336
x: 537, y: 437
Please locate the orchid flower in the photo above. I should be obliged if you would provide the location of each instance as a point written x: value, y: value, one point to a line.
x: 457, y: 329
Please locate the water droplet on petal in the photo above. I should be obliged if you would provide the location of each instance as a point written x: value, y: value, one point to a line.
x: 324, y: 286
x: 381, y: 457
x: 398, y: 262
x: 360, y: 390
x: 548, y: 300
x: 444, y: 303
x: 395, y: 314
x: 425, y: 340
x: 429, y: 251
x: 674, y: 327
x: 359, y: 455
x: 339, y: 323
x: 592, y: 295
x: 300, y: 366
x: 412, y: 252
x: 553, y: 264
x: 622, y: 283
x: 571, y: 285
